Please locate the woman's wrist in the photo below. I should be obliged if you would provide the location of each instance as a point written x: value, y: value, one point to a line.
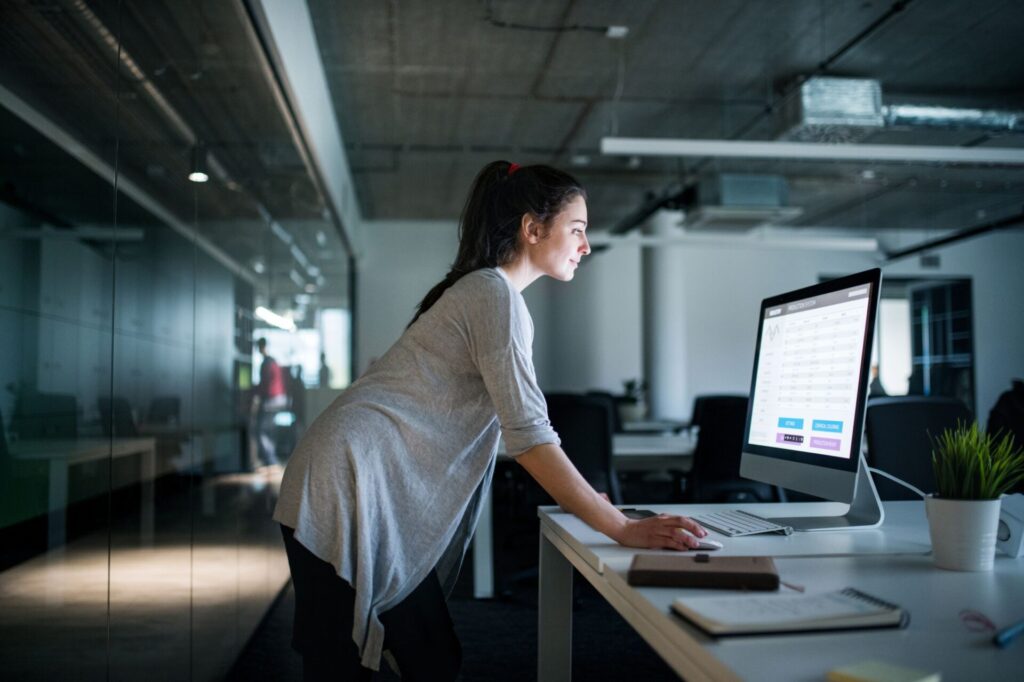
x: 620, y: 526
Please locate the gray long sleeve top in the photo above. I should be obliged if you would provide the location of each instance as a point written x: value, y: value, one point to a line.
x: 386, y: 483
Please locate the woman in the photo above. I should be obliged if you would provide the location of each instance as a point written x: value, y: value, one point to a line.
x: 380, y: 498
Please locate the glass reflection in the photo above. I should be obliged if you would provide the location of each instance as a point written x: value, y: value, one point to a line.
x: 135, y: 530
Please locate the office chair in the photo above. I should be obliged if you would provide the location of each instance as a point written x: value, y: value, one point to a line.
x: 700, y: 400
x: 165, y: 409
x: 3, y: 440
x: 613, y: 405
x: 715, y: 476
x: 899, y: 432
x: 45, y: 415
x: 584, y: 423
x: 116, y: 416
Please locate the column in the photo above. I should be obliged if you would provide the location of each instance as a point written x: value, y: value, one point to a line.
x: 664, y: 318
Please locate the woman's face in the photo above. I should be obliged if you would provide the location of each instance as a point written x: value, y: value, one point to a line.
x: 558, y: 253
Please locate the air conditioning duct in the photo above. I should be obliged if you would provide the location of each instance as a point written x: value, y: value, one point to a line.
x: 739, y: 202
x: 827, y: 109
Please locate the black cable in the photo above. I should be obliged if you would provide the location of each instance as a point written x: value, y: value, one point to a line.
x: 992, y: 226
x: 489, y: 18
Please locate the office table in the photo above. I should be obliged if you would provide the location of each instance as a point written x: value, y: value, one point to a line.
x: 62, y: 454
x: 892, y: 563
x: 631, y: 452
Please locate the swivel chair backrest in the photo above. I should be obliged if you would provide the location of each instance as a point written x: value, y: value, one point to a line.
x: 116, y: 414
x: 715, y: 476
x: 584, y: 424
x: 899, y: 432
x: 45, y: 415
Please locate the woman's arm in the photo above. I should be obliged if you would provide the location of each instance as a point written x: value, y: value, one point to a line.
x: 548, y: 464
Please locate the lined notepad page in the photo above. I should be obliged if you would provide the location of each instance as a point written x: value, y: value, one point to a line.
x: 782, y: 608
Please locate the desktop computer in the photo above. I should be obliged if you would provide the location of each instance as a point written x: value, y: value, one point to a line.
x: 809, y: 386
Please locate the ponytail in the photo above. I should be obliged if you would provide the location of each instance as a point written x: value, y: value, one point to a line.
x: 500, y: 196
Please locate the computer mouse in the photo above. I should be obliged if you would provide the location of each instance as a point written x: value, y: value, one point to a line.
x: 706, y: 545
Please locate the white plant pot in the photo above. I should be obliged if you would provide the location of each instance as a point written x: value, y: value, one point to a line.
x: 632, y: 412
x: 963, y: 532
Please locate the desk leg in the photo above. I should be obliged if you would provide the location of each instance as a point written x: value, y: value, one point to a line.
x: 56, y: 532
x: 554, y: 627
x: 148, y: 498
x: 483, y: 551
x: 207, y: 443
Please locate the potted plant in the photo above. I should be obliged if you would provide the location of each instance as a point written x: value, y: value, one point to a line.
x: 972, y: 469
x: 633, y: 406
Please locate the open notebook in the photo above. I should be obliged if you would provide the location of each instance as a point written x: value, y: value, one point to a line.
x: 748, y: 614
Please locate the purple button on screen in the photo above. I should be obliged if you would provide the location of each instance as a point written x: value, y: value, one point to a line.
x: 825, y: 443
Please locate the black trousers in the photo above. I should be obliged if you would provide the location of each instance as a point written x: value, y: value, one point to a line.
x: 418, y: 632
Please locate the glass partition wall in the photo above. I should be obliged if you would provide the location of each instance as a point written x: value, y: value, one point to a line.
x: 135, y: 529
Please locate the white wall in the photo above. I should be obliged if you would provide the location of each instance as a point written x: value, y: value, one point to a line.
x: 401, y: 261
x: 995, y: 264
x: 589, y: 331
x: 599, y: 327
x: 589, y: 337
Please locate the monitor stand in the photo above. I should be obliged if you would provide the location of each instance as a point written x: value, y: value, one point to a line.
x: 865, y: 509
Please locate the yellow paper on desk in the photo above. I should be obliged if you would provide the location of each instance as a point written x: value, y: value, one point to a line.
x: 880, y: 671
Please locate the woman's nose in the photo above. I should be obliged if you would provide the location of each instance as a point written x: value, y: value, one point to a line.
x: 585, y: 247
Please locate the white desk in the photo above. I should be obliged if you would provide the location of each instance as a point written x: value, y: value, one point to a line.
x: 891, y: 562
x: 62, y: 454
x: 632, y: 452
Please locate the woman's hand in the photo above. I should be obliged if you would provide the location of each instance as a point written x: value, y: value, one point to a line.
x: 663, y: 531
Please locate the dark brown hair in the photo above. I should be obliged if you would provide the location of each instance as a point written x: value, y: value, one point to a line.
x: 497, y: 202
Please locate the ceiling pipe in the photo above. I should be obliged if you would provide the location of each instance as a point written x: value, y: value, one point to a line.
x: 756, y: 241
x: 993, y: 226
x: 673, y: 197
x: 950, y: 118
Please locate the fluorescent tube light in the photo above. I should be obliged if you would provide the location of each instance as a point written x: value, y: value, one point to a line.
x: 275, y: 320
x: 812, y: 151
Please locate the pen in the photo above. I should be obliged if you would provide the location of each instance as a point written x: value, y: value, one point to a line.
x: 1003, y: 638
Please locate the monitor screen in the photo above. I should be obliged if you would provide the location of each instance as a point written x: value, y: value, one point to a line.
x: 809, y: 385
x: 808, y: 373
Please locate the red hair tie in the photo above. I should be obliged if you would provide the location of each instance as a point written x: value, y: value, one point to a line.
x: 512, y: 168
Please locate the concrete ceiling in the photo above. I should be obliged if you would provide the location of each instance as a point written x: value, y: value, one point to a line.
x: 427, y: 92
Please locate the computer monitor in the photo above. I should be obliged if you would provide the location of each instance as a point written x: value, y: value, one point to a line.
x: 805, y: 419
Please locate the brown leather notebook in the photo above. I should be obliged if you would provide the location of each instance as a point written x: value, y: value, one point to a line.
x: 702, y: 570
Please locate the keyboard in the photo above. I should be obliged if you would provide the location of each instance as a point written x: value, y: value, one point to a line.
x: 736, y: 523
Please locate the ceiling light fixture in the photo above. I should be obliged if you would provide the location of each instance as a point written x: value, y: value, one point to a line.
x: 812, y: 151
x: 275, y: 320
x: 197, y: 172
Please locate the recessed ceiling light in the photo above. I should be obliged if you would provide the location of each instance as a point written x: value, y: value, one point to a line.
x: 197, y: 172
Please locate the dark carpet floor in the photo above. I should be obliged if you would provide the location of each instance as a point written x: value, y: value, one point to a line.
x: 499, y: 636
x: 499, y: 641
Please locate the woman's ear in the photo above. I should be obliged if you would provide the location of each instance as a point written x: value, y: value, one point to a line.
x: 530, y: 229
